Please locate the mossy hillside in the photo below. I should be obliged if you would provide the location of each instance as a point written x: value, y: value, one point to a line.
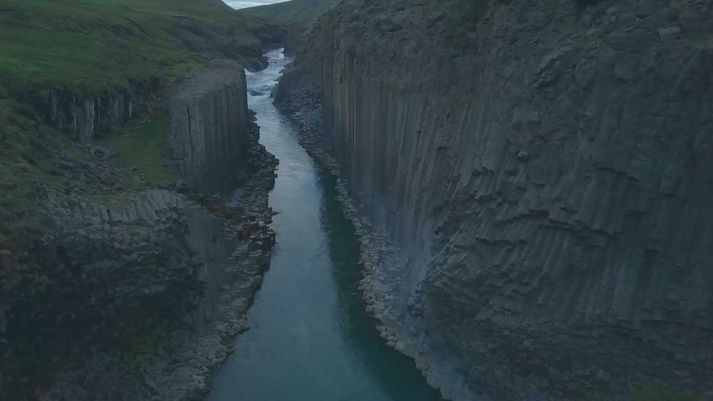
x: 91, y: 46
x: 95, y: 47
x: 140, y: 148
x: 36, y: 159
x: 25, y: 165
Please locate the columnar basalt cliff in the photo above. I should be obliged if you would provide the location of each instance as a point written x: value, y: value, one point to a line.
x: 118, y: 285
x: 116, y: 280
x: 142, y: 292
x: 87, y: 117
x: 209, y: 135
x: 543, y: 169
x: 142, y: 296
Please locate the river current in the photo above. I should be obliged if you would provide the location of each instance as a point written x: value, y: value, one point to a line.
x: 310, y: 337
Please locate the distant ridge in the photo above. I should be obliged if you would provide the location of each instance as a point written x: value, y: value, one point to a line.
x: 292, y: 13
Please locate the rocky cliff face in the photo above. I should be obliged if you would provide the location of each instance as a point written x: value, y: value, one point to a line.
x: 128, y: 295
x: 111, y: 288
x: 209, y: 134
x: 86, y: 117
x: 114, y: 284
x: 544, y: 170
x: 89, y: 112
x: 182, y: 276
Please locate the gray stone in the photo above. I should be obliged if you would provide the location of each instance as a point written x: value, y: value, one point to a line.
x: 209, y: 135
x: 517, y: 277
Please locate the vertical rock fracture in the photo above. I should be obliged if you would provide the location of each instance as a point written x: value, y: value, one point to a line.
x: 543, y: 169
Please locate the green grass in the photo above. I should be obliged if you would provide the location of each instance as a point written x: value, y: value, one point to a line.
x: 98, y: 45
x: 86, y: 47
x: 140, y: 147
x: 29, y: 160
x: 93, y: 47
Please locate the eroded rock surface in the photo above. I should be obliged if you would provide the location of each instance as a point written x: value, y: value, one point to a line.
x: 113, y: 289
x: 182, y: 268
x: 543, y: 169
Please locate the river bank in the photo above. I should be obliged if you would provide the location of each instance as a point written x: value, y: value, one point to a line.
x: 377, y: 255
x: 310, y: 331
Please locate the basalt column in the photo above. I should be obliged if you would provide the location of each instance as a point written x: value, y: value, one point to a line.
x: 209, y: 135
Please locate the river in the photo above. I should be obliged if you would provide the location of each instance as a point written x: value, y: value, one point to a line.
x: 311, y: 339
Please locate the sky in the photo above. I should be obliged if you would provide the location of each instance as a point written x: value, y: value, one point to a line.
x: 249, y: 3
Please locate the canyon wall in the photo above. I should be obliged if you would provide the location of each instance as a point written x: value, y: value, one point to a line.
x: 209, y: 135
x: 114, y: 282
x: 86, y: 117
x: 142, y: 289
x: 544, y: 170
x: 111, y: 288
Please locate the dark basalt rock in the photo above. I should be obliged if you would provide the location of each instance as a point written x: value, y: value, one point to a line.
x: 209, y: 136
x: 135, y: 295
x: 542, y: 172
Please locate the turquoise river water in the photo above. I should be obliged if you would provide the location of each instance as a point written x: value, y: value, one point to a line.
x: 311, y: 339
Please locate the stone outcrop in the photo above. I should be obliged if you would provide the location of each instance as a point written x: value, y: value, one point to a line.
x: 209, y: 134
x: 543, y: 170
x: 200, y: 261
x: 114, y: 285
x: 111, y: 289
x: 86, y: 114
x: 86, y: 117
x: 107, y: 277
x: 142, y: 293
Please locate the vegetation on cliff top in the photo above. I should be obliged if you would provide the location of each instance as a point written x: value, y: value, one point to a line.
x: 140, y: 148
x: 92, y: 45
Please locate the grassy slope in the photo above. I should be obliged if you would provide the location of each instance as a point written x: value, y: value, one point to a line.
x: 26, y: 163
x: 91, y: 45
x: 85, y: 46
x: 140, y: 148
x: 292, y: 13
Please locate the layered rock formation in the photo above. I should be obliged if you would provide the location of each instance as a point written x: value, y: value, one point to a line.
x: 209, y: 134
x: 543, y: 169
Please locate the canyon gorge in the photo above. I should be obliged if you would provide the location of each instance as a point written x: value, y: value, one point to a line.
x: 356, y: 200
